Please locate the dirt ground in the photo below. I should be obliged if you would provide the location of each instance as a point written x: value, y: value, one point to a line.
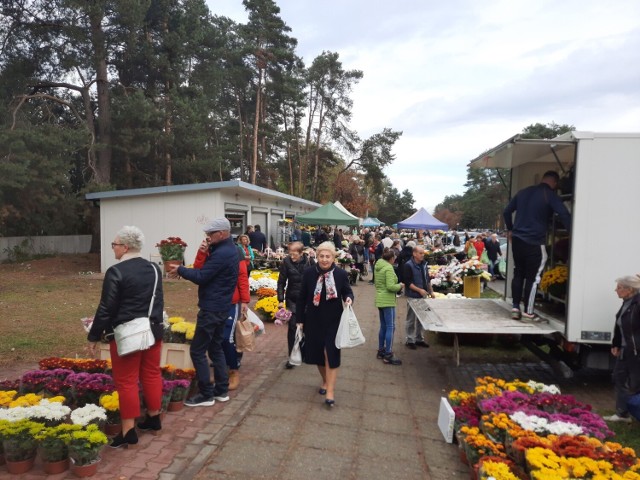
x: 42, y: 302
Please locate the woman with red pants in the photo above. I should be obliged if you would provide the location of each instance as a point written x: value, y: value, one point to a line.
x: 126, y: 294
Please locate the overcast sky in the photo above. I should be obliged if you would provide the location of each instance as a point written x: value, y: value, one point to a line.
x: 459, y: 77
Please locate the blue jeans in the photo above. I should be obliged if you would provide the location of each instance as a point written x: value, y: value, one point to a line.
x: 387, y: 327
x: 229, y: 341
x: 208, y: 340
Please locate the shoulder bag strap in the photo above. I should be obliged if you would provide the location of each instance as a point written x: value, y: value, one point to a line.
x: 153, y: 295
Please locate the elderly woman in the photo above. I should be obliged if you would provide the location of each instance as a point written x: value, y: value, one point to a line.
x: 319, y: 309
x: 289, y: 283
x: 626, y: 346
x: 387, y: 286
x: 127, y: 292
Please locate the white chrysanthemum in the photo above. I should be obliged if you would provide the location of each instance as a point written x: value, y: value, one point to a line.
x: 87, y: 414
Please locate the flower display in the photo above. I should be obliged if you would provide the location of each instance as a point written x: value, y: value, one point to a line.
x: 555, y: 278
x: 89, y: 365
x: 171, y: 248
x: 546, y: 433
x: 179, y: 331
x: 111, y: 403
x: 88, y: 414
x: 344, y: 258
x: 263, y: 281
x: 50, y: 381
x: 263, y: 292
x: 85, y: 444
x: 46, y: 412
x: 268, y: 307
x: 27, y: 400
x: 6, y: 397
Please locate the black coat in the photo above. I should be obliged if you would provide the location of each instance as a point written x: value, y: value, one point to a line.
x: 630, y: 328
x: 493, y: 249
x: 126, y: 294
x: 290, y: 279
x: 321, y: 322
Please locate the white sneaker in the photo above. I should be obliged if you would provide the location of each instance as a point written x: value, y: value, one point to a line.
x: 221, y: 398
x: 617, y: 418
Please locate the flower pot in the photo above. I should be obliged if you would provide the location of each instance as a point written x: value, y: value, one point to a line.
x: 53, y: 468
x: 2, y: 460
x: 85, y: 470
x: 169, y: 263
x: 112, y: 429
x: 175, y: 406
x: 23, y: 466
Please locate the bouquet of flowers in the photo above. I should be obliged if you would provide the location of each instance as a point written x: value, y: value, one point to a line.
x: 344, y: 258
x: 179, y: 330
x: 171, y: 248
x: 282, y: 316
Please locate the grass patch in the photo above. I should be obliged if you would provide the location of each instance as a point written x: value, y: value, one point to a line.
x: 626, y: 434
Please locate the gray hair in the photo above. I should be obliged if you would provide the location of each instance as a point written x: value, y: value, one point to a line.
x: 132, y: 237
x: 411, y: 244
x: 327, y: 246
x: 630, y: 281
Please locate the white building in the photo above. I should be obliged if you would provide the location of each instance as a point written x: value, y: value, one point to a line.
x: 183, y: 210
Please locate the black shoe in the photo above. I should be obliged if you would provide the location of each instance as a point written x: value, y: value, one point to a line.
x: 422, y: 343
x: 380, y: 354
x: 391, y: 360
x: 330, y: 403
x: 200, y: 400
x: 411, y: 345
x: 131, y: 438
x: 322, y: 391
x: 289, y: 366
x: 150, y: 423
x: 370, y: 282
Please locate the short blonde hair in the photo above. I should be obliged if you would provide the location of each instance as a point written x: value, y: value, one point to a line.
x: 328, y: 247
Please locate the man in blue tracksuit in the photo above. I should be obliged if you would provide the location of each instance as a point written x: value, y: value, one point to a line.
x: 216, y: 282
x: 534, y: 206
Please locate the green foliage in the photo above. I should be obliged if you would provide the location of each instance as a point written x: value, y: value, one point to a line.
x: 395, y: 206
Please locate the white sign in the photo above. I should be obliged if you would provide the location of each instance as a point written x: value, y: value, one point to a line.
x: 446, y: 418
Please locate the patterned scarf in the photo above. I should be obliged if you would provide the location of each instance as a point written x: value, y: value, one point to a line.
x: 330, y: 286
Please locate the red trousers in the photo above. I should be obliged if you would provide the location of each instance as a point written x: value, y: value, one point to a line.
x: 138, y: 367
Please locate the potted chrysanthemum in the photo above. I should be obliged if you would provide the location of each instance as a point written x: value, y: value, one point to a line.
x: 171, y: 251
x: 19, y: 444
x: 53, y: 447
x: 84, y: 449
x: 111, y: 403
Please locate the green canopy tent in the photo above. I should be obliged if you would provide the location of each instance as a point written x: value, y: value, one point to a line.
x: 328, y: 214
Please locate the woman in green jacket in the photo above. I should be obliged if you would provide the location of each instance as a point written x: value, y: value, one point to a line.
x: 387, y: 285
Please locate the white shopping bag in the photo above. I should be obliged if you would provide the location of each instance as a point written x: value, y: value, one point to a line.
x: 296, y: 352
x: 349, y: 333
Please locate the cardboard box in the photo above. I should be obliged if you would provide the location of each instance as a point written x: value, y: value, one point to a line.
x: 176, y: 354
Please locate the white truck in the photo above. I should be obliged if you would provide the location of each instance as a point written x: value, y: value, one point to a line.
x: 602, y: 247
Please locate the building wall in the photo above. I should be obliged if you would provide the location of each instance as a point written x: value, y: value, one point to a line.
x: 52, y: 244
x: 184, y: 214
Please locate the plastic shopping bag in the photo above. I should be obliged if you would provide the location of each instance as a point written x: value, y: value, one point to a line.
x: 349, y: 332
x: 259, y: 324
x: 296, y: 352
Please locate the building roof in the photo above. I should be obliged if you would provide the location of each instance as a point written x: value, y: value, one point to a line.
x: 194, y: 187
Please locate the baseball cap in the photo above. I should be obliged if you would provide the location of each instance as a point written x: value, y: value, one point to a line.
x: 216, y: 225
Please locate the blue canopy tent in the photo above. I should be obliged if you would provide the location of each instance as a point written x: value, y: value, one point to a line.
x: 422, y: 220
x: 371, y: 222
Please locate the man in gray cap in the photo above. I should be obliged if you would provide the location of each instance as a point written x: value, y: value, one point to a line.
x: 216, y: 282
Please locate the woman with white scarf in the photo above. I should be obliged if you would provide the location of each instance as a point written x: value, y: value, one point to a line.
x: 319, y: 309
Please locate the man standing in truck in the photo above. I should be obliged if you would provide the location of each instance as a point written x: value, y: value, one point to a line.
x: 534, y: 207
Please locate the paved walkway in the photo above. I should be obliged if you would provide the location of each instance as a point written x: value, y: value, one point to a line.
x: 275, y: 426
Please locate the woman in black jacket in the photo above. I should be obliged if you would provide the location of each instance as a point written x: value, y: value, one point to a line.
x: 126, y: 294
x: 289, y: 282
x: 626, y: 346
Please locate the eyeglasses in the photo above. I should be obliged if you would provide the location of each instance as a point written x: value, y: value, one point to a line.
x: 114, y: 244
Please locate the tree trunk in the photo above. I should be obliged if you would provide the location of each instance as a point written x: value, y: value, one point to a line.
x: 103, y: 167
x: 288, y: 147
x: 256, y: 124
x: 314, y: 189
x: 240, y: 136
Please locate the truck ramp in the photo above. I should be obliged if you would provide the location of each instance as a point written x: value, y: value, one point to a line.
x: 484, y: 315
